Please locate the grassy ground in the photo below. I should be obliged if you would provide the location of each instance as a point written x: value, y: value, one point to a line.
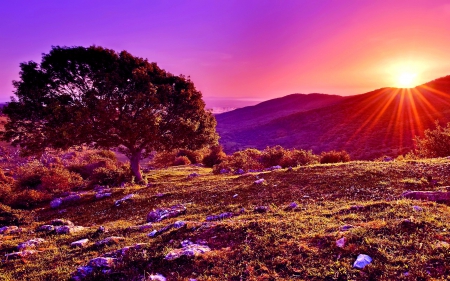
x: 281, y: 244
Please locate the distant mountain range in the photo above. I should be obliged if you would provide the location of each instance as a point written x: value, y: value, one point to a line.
x: 370, y: 125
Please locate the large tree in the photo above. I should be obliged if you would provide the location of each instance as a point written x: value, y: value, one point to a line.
x: 98, y: 97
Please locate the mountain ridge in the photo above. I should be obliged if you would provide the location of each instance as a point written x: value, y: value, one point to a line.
x: 373, y: 124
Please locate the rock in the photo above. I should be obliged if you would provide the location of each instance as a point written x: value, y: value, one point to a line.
x: 101, y: 229
x: 109, y: 241
x: 435, y: 196
x: 9, y: 229
x: 129, y: 197
x: 186, y: 243
x: 66, y: 229
x: 417, y: 208
x: 361, y: 261
x: 193, y: 175
x: 82, y: 272
x: 32, y: 243
x: 21, y: 254
x: 102, y: 262
x: 234, y: 196
x: 189, y: 251
x: 292, y: 206
x: 72, y: 198
x: 46, y: 228
x: 277, y: 167
x: 121, y: 253
x: 346, y: 227
x: 80, y: 243
x: 177, y: 224
x: 239, y: 172
x: 59, y: 222
x: 356, y: 208
x: 159, y: 195
x: 165, y: 213
x: 260, y: 181
x: 219, y: 217
x: 224, y: 171
x: 261, y: 209
x: 102, y: 195
x: 156, y: 277
x: 55, y: 203
x: 341, y: 242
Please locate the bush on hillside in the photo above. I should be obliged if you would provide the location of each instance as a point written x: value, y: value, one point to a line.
x: 434, y: 143
x: 246, y: 160
x: 272, y: 156
x: 297, y: 157
x: 181, y: 160
x: 193, y: 156
x: 111, y: 175
x: 163, y: 159
x: 215, y: 156
x: 334, y: 157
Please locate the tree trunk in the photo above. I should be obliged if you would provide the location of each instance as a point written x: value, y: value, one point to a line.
x: 135, y: 166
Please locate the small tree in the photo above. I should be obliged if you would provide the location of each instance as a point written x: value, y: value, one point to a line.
x: 435, y: 143
x: 98, y: 97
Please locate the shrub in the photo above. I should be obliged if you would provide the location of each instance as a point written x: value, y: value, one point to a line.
x: 334, y: 157
x: 215, y: 156
x: 181, y: 160
x: 163, y: 159
x: 193, y: 156
x: 272, y: 156
x: 246, y: 160
x: 60, y: 179
x: 296, y: 157
x: 5, y: 180
x: 435, y: 143
x: 28, y: 198
x: 112, y: 175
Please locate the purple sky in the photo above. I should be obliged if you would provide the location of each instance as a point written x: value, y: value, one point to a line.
x: 251, y: 50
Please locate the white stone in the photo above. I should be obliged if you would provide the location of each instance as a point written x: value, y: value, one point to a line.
x: 55, y: 203
x: 260, y: 181
x: 30, y: 244
x: 341, y: 242
x: 80, y: 243
x: 157, y: 277
x: 361, y: 261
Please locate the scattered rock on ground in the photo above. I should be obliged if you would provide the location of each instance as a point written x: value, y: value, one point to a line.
x: 436, y: 196
x: 341, y: 242
x: 156, y: 277
x: 346, y: 227
x: 119, y: 202
x: 193, y: 175
x: 109, y: 241
x: 219, y: 217
x: 46, y: 228
x: 239, y: 172
x: 176, y: 225
x: 292, y: 206
x: 189, y: 250
x: 59, y: 222
x: 80, y: 243
x: 21, y: 254
x: 261, y: 209
x: 417, y: 208
x: 277, y: 167
x: 260, y: 181
x: 9, y: 229
x: 67, y: 229
x: 361, y: 261
x: 165, y: 213
x: 32, y: 243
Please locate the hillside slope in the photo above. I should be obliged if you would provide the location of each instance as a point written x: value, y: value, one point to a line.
x: 358, y: 201
x: 381, y: 122
x: 272, y: 109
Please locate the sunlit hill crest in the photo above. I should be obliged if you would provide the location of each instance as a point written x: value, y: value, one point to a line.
x: 380, y: 122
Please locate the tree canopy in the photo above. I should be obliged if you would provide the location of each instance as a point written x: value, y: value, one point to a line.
x: 105, y: 99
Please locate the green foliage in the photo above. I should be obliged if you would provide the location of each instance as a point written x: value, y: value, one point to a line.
x: 246, y: 160
x: 272, y: 156
x: 111, y: 176
x: 434, y: 143
x: 215, y: 156
x: 298, y: 157
x: 193, y: 156
x: 181, y: 160
x: 334, y: 157
x: 96, y: 96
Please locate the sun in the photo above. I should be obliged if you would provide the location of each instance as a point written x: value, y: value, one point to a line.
x: 406, y: 80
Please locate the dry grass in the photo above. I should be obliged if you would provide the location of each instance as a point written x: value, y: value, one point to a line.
x: 278, y: 245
